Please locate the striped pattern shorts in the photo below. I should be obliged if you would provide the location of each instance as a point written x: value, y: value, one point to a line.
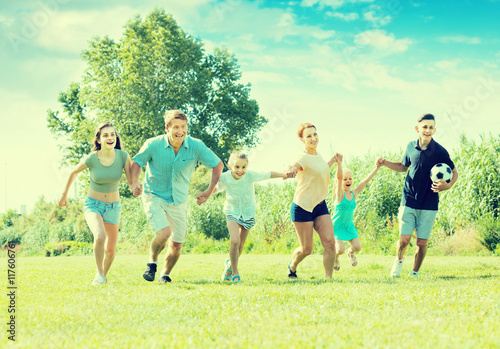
x: 247, y: 224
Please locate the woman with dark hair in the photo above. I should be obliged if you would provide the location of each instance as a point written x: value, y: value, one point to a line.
x: 102, y: 208
x: 309, y: 212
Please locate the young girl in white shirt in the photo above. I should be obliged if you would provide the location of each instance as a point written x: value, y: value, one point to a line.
x: 239, y: 207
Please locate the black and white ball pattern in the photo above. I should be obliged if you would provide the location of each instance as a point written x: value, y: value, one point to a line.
x: 442, y: 172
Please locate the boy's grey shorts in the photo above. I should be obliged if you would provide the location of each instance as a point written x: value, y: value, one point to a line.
x: 411, y: 219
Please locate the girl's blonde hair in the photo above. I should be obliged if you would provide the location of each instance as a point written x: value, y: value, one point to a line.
x: 347, y: 169
x: 235, y: 155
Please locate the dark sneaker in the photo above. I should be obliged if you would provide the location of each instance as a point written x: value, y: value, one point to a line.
x: 165, y: 279
x: 291, y: 274
x: 149, y: 273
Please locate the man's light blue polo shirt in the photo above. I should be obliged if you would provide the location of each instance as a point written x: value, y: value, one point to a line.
x: 167, y: 174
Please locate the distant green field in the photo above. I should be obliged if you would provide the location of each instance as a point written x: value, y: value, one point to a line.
x: 454, y: 304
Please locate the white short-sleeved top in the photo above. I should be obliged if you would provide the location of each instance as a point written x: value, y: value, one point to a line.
x: 240, y: 196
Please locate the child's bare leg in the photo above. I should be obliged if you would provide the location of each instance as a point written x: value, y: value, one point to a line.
x: 355, y: 246
x: 243, y: 238
x: 234, y: 253
x: 340, y: 247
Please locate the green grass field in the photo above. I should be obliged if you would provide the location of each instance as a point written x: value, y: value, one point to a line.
x: 454, y: 304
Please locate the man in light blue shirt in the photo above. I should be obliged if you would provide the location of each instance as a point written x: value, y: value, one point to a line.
x: 170, y: 160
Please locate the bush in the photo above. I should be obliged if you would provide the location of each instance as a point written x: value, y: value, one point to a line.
x: 8, y: 219
x: 36, y: 237
x: 201, y: 244
x: 134, y: 227
x: 11, y: 234
x: 59, y: 248
x: 489, y: 233
x: 208, y: 219
x: 274, y: 231
x: 476, y: 194
x: 463, y: 242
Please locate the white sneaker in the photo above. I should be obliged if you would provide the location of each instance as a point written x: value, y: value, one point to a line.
x: 99, y: 279
x: 414, y: 274
x: 397, y: 268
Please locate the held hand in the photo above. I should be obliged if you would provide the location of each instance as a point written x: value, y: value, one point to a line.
x: 380, y: 162
x: 339, y: 157
x: 291, y: 172
x: 202, y: 197
x: 439, y: 185
x: 136, y: 189
x: 62, y: 201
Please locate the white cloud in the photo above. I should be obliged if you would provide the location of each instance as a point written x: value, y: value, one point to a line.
x: 322, y: 34
x: 379, y: 40
x: 344, y: 16
x: 460, y: 39
x: 6, y: 21
x: 335, y: 75
x: 264, y: 23
x: 323, y: 3
x: 286, y: 19
x: 447, y: 65
x: 378, y: 20
x: 256, y: 77
x: 490, y: 65
x: 330, y: 3
x: 416, y: 4
x: 69, y: 31
x: 59, y: 71
x: 245, y: 43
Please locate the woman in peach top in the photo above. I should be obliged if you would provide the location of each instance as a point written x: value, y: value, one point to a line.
x: 309, y: 211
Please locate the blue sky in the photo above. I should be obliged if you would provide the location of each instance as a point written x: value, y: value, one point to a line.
x: 361, y: 70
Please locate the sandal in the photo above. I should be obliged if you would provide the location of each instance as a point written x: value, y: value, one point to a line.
x: 336, y: 265
x: 227, y: 270
x: 291, y: 274
x: 352, y: 258
x: 236, y: 278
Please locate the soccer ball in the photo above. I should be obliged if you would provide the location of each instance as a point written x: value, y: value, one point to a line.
x: 441, y: 172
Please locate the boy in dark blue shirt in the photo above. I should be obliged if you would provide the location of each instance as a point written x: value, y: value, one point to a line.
x: 419, y: 203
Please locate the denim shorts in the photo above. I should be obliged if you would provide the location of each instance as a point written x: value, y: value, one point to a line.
x: 109, y: 211
x: 298, y: 214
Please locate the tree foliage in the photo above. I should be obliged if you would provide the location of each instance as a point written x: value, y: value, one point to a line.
x: 155, y: 67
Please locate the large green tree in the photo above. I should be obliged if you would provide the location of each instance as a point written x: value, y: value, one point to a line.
x: 155, y: 67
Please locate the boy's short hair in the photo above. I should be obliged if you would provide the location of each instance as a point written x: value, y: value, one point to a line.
x: 426, y: 117
x: 173, y: 114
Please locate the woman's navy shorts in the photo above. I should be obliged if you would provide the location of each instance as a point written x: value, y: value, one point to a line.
x: 298, y: 214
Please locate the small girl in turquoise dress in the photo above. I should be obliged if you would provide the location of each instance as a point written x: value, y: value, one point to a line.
x: 345, y: 203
